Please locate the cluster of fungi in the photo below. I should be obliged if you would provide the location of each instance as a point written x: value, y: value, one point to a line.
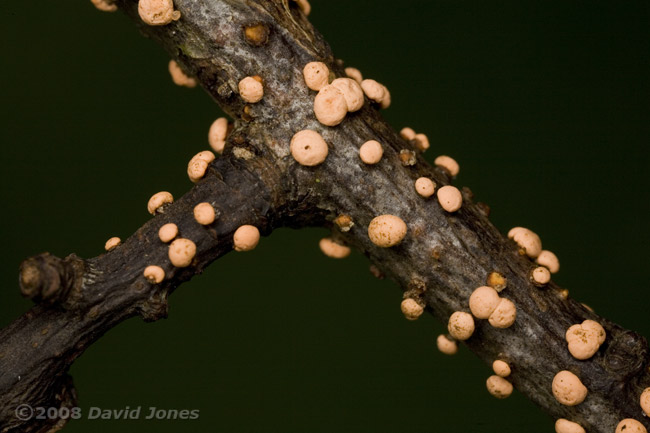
x: 333, y: 100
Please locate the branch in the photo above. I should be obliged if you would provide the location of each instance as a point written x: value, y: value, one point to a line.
x: 82, y: 299
x: 442, y: 259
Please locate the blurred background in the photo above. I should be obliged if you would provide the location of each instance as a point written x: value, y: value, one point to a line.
x: 544, y: 105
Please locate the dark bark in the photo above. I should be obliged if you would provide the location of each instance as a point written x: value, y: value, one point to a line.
x: 444, y: 256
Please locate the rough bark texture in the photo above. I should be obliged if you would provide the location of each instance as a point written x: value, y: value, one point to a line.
x: 443, y: 258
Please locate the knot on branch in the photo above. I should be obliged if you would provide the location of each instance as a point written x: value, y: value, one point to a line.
x: 154, y: 308
x: 626, y: 354
x: 48, y: 278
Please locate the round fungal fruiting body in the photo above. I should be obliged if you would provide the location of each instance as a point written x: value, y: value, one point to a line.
x: 446, y: 346
x: 565, y: 426
x: 198, y: 165
x: 308, y: 148
x: 596, y: 328
x: 568, y: 389
x: 450, y: 198
x: 386, y: 230
x: 373, y: 90
x: 407, y: 133
x: 158, y: 200
x: 112, y: 243
x: 316, y: 75
x: 182, y: 252
x: 448, y: 163
x: 168, y: 232
x: 483, y: 302
x: 157, y: 12
x: 411, y: 309
x: 304, y: 6
x: 354, y: 73
x: 371, y: 152
x: 585, y: 339
x: 549, y: 260
x: 501, y: 368
x: 179, y: 77
x: 330, y: 106
x: 205, y: 155
x: 504, y: 314
x: 385, y: 102
x: 104, y: 5
x: 352, y: 93
x: 630, y: 425
x: 257, y: 34
x: 333, y: 249
x: 425, y: 187
x: 498, y: 387
x: 251, y: 89
x: 644, y: 400
x: 217, y: 134
x: 421, y: 142
x: 528, y: 241
x: 204, y: 213
x: 461, y: 325
x: 246, y: 238
x: 540, y: 276
x: 154, y: 274
x: 497, y: 281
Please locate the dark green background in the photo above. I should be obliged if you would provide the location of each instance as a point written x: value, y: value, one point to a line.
x: 544, y: 104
